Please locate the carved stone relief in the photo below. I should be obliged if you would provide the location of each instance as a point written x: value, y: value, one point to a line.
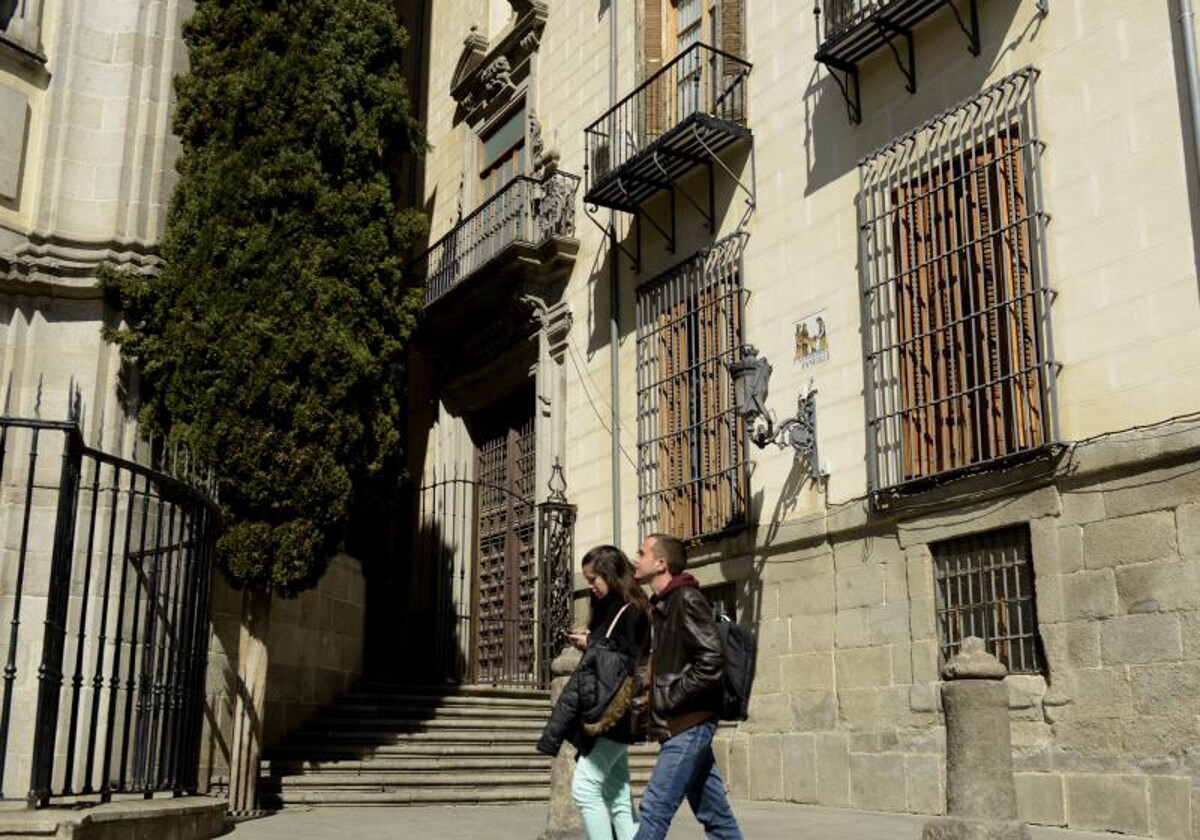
x: 490, y: 72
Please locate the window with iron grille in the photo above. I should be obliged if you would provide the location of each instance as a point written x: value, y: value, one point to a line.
x: 723, y: 597
x: 959, y: 364
x: 984, y: 586
x: 691, y: 458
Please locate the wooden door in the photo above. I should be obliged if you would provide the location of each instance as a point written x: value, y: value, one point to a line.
x: 505, y: 567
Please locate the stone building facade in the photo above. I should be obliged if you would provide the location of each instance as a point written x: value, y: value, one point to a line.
x: 970, y: 229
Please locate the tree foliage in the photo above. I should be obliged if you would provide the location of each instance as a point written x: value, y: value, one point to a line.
x: 272, y: 342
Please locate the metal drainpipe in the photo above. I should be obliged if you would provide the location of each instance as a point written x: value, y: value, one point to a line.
x: 1187, y: 23
x: 614, y: 298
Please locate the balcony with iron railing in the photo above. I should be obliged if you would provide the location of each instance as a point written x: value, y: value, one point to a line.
x: 849, y: 31
x: 679, y: 118
x: 526, y: 227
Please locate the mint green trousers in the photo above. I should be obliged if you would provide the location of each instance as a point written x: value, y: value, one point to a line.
x: 601, y: 790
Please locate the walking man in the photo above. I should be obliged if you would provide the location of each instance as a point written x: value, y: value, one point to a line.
x: 686, y: 660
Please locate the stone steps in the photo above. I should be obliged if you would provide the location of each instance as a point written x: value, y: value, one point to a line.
x: 391, y: 745
x: 407, y: 725
x: 465, y: 795
x: 384, y: 745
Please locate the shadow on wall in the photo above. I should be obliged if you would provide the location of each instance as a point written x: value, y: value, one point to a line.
x: 692, y: 235
x: 833, y: 145
x: 798, y: 478
x: 435, y: 627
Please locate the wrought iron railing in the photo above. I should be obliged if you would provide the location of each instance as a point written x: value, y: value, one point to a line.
x: 528, y: 210
x: 840, y: 16
x: 556, y: 550
x: 107, y: 567
x: 701, y: 80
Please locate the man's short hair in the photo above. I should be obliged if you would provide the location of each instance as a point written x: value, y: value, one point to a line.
x: 671, y: 550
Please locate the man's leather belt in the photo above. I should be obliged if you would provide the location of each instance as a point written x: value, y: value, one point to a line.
x: 675, y: 725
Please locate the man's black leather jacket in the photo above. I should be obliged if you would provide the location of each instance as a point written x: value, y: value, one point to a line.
x: 687, y: 659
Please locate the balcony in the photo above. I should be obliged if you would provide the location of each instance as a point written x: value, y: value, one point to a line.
x: 680, y: 118
x: 528, y: 227
x: 852, y: 30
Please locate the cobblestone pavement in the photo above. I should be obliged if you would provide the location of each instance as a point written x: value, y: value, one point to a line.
x: 759, y: 820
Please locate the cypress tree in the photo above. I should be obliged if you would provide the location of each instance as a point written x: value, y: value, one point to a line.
x: 272, y: 342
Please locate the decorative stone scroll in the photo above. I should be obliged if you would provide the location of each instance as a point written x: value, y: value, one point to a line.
x: 493, y: 71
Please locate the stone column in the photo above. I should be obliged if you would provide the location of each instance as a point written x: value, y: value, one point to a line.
x: 563, y: 821
x: 981, y: 800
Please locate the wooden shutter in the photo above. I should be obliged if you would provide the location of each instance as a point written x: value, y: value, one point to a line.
x: 653, y: 118
x: 672, y: 397
x: 652, y: 37
x: 732, y: 27
x: 970, y: 388
x: 731, y: 32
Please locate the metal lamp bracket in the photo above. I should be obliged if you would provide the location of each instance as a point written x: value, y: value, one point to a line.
x: 799, y: 433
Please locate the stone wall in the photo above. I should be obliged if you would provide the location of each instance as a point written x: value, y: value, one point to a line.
x: 316, y: 650
x: 846, y: 711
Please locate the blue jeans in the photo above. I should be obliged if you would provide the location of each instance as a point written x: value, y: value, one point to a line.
x: 601, y: 790
x: 686, y: 768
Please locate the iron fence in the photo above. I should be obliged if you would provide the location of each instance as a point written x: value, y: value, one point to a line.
x: 105, y: 572
x: 526, y: 210
x: 701, y: 81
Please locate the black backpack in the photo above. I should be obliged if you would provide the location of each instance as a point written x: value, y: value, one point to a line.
x: 741, y: 652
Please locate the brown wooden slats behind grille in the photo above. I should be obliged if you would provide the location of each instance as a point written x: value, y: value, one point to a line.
x: 966, y: 327
x: 690, y: 457
x: 956, y: 329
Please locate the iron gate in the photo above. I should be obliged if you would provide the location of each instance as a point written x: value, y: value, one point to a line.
x: 107, y: 566
x: 467, y: 645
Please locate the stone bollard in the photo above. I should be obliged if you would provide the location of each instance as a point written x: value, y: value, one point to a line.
x: 981, y: 800
x: 563, y: 821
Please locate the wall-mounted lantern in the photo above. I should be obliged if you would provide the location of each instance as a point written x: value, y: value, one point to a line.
x: 751, y: 376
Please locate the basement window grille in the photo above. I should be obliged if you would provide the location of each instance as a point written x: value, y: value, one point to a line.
x: 984, y: 588
x: 723, y: 597
x: 958, y: 353
x: 692, y: 470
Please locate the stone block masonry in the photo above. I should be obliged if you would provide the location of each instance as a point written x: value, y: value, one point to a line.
x: 1103, y: 738
x: 316, y: 647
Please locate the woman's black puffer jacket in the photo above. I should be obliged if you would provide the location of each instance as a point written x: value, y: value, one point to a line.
x: 600, y: 672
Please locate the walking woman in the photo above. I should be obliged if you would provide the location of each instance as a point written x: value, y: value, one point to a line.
x: 593, y: 712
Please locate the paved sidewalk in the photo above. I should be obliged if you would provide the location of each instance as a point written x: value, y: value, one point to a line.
x: 759, y: 820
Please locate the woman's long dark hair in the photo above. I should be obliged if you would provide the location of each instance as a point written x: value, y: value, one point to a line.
x: 610, y: 563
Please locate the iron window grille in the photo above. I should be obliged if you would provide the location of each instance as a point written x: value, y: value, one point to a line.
x: 723, y: 597
x: 692, y: 469
x: 958, y: 355
x: 984, y: 588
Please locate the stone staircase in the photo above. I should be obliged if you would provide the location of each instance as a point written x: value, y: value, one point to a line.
x: 384, y: 745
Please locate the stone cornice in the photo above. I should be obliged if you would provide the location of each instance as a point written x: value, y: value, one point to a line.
x: 486, y: 69
x: 60, y: 267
